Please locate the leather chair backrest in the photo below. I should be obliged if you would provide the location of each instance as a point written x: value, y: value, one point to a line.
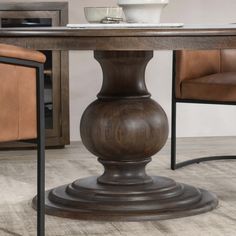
x: 190, y: 64
x: 18, y: 94
x: 17, y: 102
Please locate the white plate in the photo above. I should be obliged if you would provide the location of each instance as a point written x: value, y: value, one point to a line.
x: 125, y: 25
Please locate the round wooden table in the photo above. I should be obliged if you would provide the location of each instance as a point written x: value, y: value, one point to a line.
x: 124, y: 127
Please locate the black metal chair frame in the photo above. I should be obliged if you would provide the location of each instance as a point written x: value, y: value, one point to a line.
x: 40, y: 140
x: 174, y: 164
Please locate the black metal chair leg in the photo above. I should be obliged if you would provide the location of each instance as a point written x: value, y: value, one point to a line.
x: 173, y: 136
x: 174, y: 164
x: 173, y: 117
x: 40, y: 154
x: 203, y: 159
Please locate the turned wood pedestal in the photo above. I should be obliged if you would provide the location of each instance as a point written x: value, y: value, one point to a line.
x: 124, y: 128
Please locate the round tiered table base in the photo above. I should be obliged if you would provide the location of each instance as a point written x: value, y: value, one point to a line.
x: 163, y: 198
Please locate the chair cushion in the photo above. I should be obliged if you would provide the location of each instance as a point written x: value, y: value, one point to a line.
x: 21, y: 53
x: 215, y: 87
x: 17, y: 103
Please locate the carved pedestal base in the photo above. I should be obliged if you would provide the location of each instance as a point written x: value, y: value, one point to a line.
x: 162, y: 199
x: 124, y: 128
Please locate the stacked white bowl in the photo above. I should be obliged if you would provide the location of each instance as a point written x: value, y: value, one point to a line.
x: 143, y: 11
x: 97, y: 14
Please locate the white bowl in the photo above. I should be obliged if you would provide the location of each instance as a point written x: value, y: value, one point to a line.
x: 96, y: 14
x: 143, y: 11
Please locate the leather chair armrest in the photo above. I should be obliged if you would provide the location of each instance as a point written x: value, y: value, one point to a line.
x: 21, y: 53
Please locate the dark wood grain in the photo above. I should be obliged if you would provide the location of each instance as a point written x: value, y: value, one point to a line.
x: 124, y: 127
x: 121, y: 43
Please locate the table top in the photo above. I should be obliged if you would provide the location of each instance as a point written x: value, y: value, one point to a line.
x: 187, y: 30
x: 179, y: 38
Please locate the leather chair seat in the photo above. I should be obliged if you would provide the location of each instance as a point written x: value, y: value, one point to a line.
x: 214, y: 87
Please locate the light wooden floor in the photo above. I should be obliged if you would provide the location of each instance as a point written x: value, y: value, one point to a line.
x: 18, y: 177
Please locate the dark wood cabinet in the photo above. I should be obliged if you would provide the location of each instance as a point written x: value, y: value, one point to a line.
x: 45, y: 14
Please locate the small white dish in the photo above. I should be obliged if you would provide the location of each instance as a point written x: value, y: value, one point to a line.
x: 97, y: 14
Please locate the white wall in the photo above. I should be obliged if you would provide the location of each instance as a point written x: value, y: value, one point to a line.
x: 193, y: 120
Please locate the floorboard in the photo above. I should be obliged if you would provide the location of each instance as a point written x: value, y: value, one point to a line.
x: 18, y: 178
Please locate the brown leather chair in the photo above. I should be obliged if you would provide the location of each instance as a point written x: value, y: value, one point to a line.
x: 22, y: 107
x: 202, y: 76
